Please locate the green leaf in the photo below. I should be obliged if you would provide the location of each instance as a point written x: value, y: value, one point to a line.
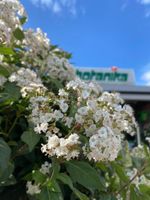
x: 145, y: 189
x: 80, y: 195
x: 10, y: 93
x: 120, y: 172
x: 7, y: 178
x: 53, y: 84
x: 84, y: 174
x: 18, y: 33
x: 51, y: 192
x: 6, y: 70
x: 38, y: 177
x: 30, y: 138
x: 23, y: 20
x: 134, y: 193
x: 73, y: 105
x: 101, y: 166
x: 5, y: 152
x: 137, y: 162
x: 64, y: 178
x: 46, y: 194
x: 6, y: 51
x: 12, y: 143
x: 107, y: 197
x: 55, y: 168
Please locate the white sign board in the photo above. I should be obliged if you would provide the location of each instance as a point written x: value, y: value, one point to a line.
x: 107, y: 75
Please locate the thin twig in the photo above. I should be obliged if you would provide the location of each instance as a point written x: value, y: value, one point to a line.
x: 13, y: 125
x: 130, y: 181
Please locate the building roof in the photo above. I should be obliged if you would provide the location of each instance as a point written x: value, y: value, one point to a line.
x: 129, y: 92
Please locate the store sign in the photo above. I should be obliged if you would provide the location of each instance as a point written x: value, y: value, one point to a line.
x: 106, y: 75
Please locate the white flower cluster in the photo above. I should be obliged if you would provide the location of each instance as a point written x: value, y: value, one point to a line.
x: 136, y: 179
x: 42, y: 116
x: 119, y: 197
x: 35, y: 188
x: 148, y: 139
x: 40, y: 56
x: 32, y: 189
x: 139, y: 152
x: 59, y: 67
x: 27, y: 80
x: 66, y: 148
x: 38, y: 53
x: 5, y: 33
x: 10, y: 13
x: 45, y: 168
x: 99, y: 148
x: 2, y: 80
x: 83, y: 109
x: 38, y: 46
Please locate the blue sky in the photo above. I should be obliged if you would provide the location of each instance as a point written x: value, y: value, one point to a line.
x: 99, y: 33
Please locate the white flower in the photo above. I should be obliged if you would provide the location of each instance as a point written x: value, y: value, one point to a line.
x: 10, y: 13
x: 128, y: 109
x: 103, y: 132
x: 41, y: 127
x: 45, y: 168
x: 83, y: 110
x: 139, y: 151
x: 79, y: 119
x: 38, y: 99
x: 55, y: 130
x: 85, y: 94
x: 73, y: 84
x: 72, y: 139
x: 12, y: 78
x: 53, y: 142
x: 104, y: 145
x: 61, y: 147
x: 57, y: 115
x: 1, y: 58
x: 46, y: 117
x: 27, y: 80
x: 91, y: 130
x: 97, y: 115
x: 2, y: 80
x: 32, y: 189
x: 101, y: 117
x: 148, y: 139
x: 48, y: 63
x: 92, y: 104
x: 63, y: 106
x: 68, y: 121
x: 119, y: 197
x: 5, y: 35
x: 43, y: 148
x: 62, y: 93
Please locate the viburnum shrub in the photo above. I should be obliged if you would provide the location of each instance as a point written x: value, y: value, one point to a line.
x: 61, y: 138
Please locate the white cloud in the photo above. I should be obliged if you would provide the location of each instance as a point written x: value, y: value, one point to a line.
x: 47, y: 3
x: 147, y: 13
x: 144, y: 2
x: 123, y: 6
x: 146, y: 74
x: 146, y: 77
x: 57, y: 6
